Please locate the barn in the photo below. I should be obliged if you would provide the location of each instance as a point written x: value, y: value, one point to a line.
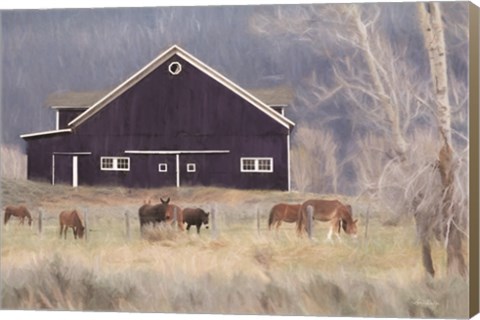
x: 175, y: 122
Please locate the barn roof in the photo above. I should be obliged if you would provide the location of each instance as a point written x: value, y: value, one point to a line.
x: 104, y: 100
x: 274, y: 96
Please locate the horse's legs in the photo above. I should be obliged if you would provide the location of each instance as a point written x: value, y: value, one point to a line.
x: 188, y: 227
x: 74, y: 232
x: 61, y: 230
x: 279, y: 222
x: 198, y: 228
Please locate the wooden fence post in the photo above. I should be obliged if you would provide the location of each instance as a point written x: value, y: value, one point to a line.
x: 309, y: 221
x: 40, y: 221
x: 367, y: 220
x: 175, y: 218
x: 127, y: 225
x: 213, y: 223
x: 258, y: 221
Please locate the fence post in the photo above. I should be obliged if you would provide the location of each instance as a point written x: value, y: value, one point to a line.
x: 367, y: 220
x: 214, y: 223
x: 127, y: 224
x: 258, y: 221
x: 40, y: 221
x: 85, y: 218
x: 309, y: 221
x: 175, y: 218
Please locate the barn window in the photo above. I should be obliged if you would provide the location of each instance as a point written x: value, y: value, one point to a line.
x: 115, y: 163
x: 191, y: 167
x: 162, y: 167
x: 256, y: 164
x: 174, y: 68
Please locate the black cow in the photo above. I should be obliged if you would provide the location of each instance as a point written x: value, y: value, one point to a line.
x: 153, y: 214
x: 195, y: 217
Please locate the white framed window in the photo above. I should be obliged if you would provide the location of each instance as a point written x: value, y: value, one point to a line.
x: 115, y: 163
x: 256, y: 164
x: 162, y: 167
x: 191, y: 167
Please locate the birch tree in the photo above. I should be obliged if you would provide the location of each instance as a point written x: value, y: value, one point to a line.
x: 449, y: 213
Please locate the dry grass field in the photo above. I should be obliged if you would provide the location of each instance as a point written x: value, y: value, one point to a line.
x: 239, y: 270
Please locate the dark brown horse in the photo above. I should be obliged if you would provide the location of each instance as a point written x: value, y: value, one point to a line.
x: 339, y: 215
x: 195, y: 217
x: 283, y: 212
x: 71, y: 219
x: 153, y: 214
x: 20, y: 212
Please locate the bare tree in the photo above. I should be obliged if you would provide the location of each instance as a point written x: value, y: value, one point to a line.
x: 449, y: 212
x: 314, y: 164
x: 391, y: 104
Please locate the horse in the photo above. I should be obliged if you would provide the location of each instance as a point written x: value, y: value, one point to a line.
x: 170, y: 216
x: 153, y: 214
x: 283, y: 212
x: 71, y: 219
x: 20, y: 212
x: 339, y: 215
x: 195, y: 217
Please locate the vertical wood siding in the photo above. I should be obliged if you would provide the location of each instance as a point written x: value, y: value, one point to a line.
x: 189, y: 111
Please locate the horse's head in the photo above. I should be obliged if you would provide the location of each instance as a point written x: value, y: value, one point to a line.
x: 80, y: 231
x: 205, y: 219
x: 350, y: 227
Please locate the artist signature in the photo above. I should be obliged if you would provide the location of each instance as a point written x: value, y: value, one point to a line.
x: 425, y: 302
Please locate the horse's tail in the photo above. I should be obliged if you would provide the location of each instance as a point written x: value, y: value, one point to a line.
x: 6, y: 217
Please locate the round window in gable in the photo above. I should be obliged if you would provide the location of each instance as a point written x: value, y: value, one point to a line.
x: 174, y: 68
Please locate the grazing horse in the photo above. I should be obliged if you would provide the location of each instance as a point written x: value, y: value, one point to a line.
x: 20, y: 212
x: 71, y: 219
x: 283, y: 212
x: 170, y: 216
x: 195, y: 217
x: 153, y: 214
x: 334, y: 211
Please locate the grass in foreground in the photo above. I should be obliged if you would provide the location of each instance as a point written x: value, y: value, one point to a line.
x: 238, y: 272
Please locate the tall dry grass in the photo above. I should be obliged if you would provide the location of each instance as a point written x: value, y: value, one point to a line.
x: 239, y: 271
x: 13, y: 162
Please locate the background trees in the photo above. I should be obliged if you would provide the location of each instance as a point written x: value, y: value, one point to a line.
x: 390, y: 78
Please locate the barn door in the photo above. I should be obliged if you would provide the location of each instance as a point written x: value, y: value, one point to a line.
x: 66, y: 168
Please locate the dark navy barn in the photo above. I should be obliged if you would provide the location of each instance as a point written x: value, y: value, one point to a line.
x: 176, y: 122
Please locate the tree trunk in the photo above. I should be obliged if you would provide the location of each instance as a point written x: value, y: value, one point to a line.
x: 432, y: 27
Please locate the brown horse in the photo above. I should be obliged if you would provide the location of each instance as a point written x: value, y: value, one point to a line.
x: 170, y: 214
x: 71, y: 219
x: 195, y: 217
x: 21, y: 212
x: 339, y: 215
x: 283, y: 212
x: 153, y: 214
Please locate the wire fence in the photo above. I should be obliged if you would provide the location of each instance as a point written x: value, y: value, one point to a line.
x: 96, y: 219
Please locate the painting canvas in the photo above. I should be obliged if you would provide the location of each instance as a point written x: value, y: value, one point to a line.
x: 303, y: 159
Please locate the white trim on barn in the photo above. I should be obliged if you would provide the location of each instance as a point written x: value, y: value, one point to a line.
x: 289, y: 164
x: 45, y: 133
x: 142, y: 73
x: 176, y: 151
